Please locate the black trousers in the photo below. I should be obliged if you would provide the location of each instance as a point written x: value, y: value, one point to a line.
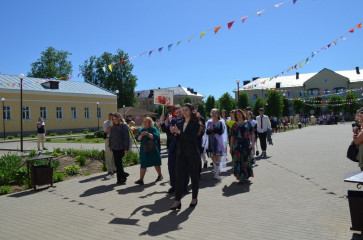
x: 118, y: 155
x: 183, y: 162
x: 262, y: 137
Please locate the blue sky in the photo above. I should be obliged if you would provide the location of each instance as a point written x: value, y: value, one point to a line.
x: 263, y: 46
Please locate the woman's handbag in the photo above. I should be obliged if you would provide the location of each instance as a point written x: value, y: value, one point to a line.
x: 149, y: 145
x: 352, y: 152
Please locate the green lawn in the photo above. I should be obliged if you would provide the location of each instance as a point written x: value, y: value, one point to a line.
x: 76, y: 140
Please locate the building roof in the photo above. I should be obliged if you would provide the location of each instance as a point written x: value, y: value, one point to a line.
x: 178, y: 91
x: 10, y: 82
x: 291, y: 81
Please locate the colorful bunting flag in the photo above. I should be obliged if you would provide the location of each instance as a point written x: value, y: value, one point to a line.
x: 260, y: 12
x: 335, y: 42
x: 202, y: 34
x: 160, y: 49
x: 294, y: 1
x: 230, y: 25
x: 244, y: 19
x: 179, y: 42
x: 359, y: 25
x: 190, y: 38
x: 169, y: 46
x: 278, y: 5
x: 150, y: 52
x: 216, y: 29
x: 300, y: 64
x: 352, y: 30
x: 110, y: 67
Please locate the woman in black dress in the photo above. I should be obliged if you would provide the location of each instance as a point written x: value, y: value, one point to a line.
x: 187, y: 154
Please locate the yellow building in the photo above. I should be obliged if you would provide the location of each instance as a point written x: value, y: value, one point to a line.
x: 64, y: 105
x: 145, y: 98
x: 304, y: 86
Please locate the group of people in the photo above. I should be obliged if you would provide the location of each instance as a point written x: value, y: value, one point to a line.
x: 358, y: 136
x: 190, y: 139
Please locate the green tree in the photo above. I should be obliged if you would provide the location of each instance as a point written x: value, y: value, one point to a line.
x: 335, y: 104
x: 96, y: 71
x: 52, y: 64
x: 201, y: 109
x: 258, y: 104
x: 297, y: 105
x: 226, y: 102
x: 285, y: 109
x: 310, y: 105
x: 209, y: 104
x: 187, y: 99
x: 274, y: 104
x: 243, y: 101
x: 352, y: 105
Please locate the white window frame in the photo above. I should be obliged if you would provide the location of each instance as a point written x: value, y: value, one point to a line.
x: 59, y: 112
x: 86, y: 113
x: 99, y: 113
x: 26, y: 113
x: 74, y: 112
x: 7, y: 113
x: 42, y: 111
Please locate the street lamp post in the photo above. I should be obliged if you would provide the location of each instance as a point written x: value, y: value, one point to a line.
x: 237, y: 81
x: 117, y: 92
x: 3, y: 100
x: 21, y: 76
x: 98, y: 119
x: 124, y: 112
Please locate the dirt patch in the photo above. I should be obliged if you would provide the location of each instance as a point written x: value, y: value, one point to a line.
x: 92, y: 166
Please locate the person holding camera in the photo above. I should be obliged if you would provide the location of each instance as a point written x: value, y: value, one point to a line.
x: 358, y: 136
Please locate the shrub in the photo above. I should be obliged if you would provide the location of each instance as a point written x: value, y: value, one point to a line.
x: 79, y: 139
x: 32, y: 154
x: 86, y: 131
x: 70, y: 139
x: 32, y: 136
x: 81, y: 160
x: 58, y: 177
x: 18, y: 135
x: 55, y: 154
x: 131, y: 158
x: 99, y: 133
x: 72, y: 170
x: 89, y: 136
x: 57, y: 150
x: 8, y: 164
x: 70, y: 133
x: 5, y: 190
x: 48, y: 140
x: 53, y: 134
x: 10, y: 137
x: 21, y: 176
x: 87, y: 174
x: 103, y: 168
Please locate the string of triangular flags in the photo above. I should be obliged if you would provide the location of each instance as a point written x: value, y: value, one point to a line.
x: 307, y: 59
x: 333, y: 104
x: 229, y: 25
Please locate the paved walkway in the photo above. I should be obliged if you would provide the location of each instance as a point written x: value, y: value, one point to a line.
x: 297, y: 193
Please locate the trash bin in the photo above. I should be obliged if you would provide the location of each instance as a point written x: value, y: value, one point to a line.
x: 355, y: 199
x: 41, y: 174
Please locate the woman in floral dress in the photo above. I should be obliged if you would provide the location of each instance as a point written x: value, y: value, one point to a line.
x: 241, y: 137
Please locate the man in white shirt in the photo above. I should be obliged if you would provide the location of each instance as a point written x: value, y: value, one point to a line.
x: 263, y: 124
x: 111, y: 168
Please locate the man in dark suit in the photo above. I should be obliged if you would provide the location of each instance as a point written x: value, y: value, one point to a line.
x: 165, y: 126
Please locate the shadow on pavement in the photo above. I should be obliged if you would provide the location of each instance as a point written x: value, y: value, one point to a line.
x: 30, y: 192
x: 236, y: 188
x: 168, y: 223
x: 135, y: 188
x: 124, y: 221
x: 98, y: 190
x: 104, y: 176
x: 159, y: 206
x: 357, y: 236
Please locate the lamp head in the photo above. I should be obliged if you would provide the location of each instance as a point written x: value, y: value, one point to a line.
x: 3, y: 99
x: 98, y: 103
x: 117, y: 91
x: 237, y: 81
x: 21, y: 76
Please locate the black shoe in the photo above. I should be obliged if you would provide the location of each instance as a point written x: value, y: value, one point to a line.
x: 175, y: 208
x: 121, y: 182
x: 159, y: 178
x: 205, y: 165
x: 140, y: 182
x: 193, y: 204
x: 171, y: 190
x: 211, y: 164
x: 126, y: 174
